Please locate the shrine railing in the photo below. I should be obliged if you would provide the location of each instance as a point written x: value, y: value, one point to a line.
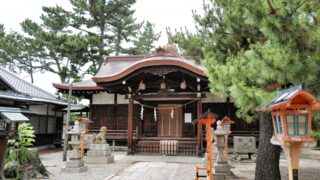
x: 166, y: 147
x: 115, y: 134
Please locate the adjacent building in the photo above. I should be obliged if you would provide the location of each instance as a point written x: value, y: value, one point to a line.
x: 42, y: 108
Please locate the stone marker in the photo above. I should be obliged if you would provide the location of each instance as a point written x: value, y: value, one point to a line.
x: 75, y: 163
x: 221, y: 166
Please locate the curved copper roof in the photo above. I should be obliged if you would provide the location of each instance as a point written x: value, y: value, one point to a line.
x: 114, y: 69
x: 117, y: 67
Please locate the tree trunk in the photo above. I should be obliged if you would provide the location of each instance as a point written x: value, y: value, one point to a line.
x: 3, y: 153
x: 267, y: 165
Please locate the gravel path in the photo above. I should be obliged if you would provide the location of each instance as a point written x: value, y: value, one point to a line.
x: 168, y: 167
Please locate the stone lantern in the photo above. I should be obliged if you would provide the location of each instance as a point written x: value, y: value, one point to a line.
x: 9, y: 121
x: 292, y: 119
x: 221, y: 166
x: 75, y: 163
x: 226, y: 125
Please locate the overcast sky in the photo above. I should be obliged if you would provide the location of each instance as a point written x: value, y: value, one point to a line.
x: 163, y: 13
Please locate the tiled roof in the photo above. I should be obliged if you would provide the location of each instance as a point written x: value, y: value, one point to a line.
x: 24, y: 90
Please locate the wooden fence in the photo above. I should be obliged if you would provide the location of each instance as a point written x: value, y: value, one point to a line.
x: 166, y: 147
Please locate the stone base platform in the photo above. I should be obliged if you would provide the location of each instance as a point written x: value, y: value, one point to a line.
x: 99, y: 160
x: 75, y: 170
x: 223, y: 176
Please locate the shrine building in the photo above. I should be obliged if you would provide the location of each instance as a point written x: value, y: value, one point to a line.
x: 149, y: 101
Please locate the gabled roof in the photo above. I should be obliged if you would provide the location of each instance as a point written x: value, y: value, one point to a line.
x: 23, y: 90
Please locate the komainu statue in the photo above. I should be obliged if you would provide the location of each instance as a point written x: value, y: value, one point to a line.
x: 101, y: 137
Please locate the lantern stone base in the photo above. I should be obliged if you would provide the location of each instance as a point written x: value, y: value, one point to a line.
x: 75, y: 166
x: 99, y: 154
x: 75, y: 170
x: 222, y: 171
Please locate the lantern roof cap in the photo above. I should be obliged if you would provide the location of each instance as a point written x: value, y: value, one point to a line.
x: 204, y: 115
x: 287, y: 96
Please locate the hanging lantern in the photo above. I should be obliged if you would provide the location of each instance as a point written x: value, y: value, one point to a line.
x: 183, y: 85
x: 142, y: 86
x: 163, y: 84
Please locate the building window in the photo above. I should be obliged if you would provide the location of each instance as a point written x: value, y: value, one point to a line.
x: 51, y: 125
x: 43, y: 125
x: 277, y: 119
x: 34, y: 121
x: 297, y: 125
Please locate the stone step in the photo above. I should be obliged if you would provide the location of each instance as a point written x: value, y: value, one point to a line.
x: 99, y: 147
x: 99, y: 153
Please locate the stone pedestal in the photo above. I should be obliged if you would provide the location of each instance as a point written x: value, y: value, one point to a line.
x: 75, y: 163
x: 221, y: 167
x: 99, y: 154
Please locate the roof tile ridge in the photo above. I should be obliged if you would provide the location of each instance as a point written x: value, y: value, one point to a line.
x: 26, y: 82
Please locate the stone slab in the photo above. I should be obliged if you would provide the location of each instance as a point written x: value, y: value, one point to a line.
x: 98, y: 160
x: 222, y: 168
x: 99, y: 147
x: 99, y: 153
x: 75, y: 170
x: 222, y: 176
x: 74, y: 163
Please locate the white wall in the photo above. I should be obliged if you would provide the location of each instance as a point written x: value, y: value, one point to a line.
x: 39, y: 109
x: 106, y: 98
x: 122, y: 100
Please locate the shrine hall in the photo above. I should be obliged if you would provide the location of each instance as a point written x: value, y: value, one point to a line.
x: 148, y: 102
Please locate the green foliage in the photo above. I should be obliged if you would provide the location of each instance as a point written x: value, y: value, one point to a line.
x: 253, y: 49
x: 72, y: 43
x: 143, y: 44
x: 17, y: 148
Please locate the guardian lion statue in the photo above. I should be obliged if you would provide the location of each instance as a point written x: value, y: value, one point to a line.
x: 101, y: 137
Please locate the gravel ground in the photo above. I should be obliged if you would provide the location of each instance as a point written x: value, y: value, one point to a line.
x: 168, y: 167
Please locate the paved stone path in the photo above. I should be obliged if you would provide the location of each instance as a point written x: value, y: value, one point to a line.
x: 151, y: 171
x: 143, y: 167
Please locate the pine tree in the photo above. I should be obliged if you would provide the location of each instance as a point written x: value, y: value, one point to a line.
x: 253, y: 49
x: 67, y: 42
x: 143, y: 44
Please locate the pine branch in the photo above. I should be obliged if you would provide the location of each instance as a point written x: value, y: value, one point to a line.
x: 297, y: 7
x: 84, y: 30
x: 272, y: 10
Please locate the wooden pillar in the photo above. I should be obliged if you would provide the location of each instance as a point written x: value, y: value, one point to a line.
x: 130, y: 119
x: 293, y: 152
x: 3, y: 152
x: 199, y: 128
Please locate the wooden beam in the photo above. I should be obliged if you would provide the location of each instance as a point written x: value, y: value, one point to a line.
x: 130, y: 119
x: 166, y: 96
x: 199, y: 128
